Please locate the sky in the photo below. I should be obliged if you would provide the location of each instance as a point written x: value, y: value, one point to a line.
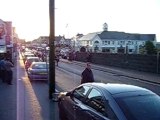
x: 31, y: 17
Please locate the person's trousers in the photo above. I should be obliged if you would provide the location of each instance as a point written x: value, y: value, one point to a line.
x: 9, y: 76
x: 2, y: 75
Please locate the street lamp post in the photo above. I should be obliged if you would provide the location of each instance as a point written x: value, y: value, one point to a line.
x: 52, y: 50
x: 158, y: 61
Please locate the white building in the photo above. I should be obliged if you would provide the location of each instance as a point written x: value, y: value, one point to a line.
x: 114, y: 41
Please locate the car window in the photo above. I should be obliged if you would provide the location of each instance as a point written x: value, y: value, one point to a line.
x: 110, y: 113
x: 39, y: 66
x: 33, y: 60
x: 145, y: 107
x: 95, y: 100
x: 80, y: 93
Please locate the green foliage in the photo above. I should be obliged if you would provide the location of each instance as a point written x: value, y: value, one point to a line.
x: 83, y: 49
x: 142, y: 50
x: 150, y: 48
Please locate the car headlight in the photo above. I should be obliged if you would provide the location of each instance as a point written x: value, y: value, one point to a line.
x: 30, y: 71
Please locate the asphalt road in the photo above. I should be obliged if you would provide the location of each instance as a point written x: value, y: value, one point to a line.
x: 107, y: 76
x: 25, y: 100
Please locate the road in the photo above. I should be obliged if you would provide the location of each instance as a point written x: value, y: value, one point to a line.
x: 32, y: 97
x: 74, y: 71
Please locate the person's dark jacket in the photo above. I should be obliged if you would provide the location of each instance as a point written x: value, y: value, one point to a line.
x: 87, y: 76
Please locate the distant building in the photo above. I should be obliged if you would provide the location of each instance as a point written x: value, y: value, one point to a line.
x: 59, y: 41
x: 75, y: 44
x: 114, y: 41
x: 158, y: 45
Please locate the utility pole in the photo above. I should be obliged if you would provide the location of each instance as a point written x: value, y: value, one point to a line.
x: 52, y: 49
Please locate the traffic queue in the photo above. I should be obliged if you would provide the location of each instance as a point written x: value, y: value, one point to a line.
x: 36, y: 63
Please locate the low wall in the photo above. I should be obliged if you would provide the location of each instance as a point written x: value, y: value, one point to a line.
x: 147, y: 63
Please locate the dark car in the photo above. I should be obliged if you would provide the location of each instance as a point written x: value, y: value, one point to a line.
x: 99, y: 101
x: 38, y: 71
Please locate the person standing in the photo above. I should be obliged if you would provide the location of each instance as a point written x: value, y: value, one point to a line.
x: 57, y: 59
x: 89, y: 57
x: 2, y: 69
x: 87, y: 74
x: 9, y: 73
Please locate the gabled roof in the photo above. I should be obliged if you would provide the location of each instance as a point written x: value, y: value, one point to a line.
x: 89, y: 36
x: 125, y: 36
x: 79, y: 35
x: 58, y: 38
x: 67, y: 39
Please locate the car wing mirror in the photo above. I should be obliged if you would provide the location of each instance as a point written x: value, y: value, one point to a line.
x: 69, y: 94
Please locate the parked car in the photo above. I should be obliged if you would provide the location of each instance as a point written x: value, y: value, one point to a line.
x: 38, y: 71
x: 99, y: 101
x: 27, y: 55
x: 29, y: 61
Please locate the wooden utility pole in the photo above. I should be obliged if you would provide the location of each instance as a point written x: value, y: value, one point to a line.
x: 52, y: 49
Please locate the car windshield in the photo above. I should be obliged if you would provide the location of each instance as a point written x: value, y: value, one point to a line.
x: 39, y: 66
x: 140, y: 107
x: 33, y: 60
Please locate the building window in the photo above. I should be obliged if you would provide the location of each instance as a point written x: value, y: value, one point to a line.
x: 105, y: 50
x: 143, y: 43
x: 132, y: 42
x: 130, y: 50
x: 96, y: 42
x: 136, y: 43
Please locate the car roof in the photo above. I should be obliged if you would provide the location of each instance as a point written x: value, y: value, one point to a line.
x: 32, y: 57
x: 39, y: 63
x: 115, y: 88
x: 26, y: 53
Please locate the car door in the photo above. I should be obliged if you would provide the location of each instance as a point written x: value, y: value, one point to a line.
x: 99, y: 107
x: 96, y: 105
x: 84, y: 108
x: 71, y: 103
x: 67, y: 107
x: 79, y: 97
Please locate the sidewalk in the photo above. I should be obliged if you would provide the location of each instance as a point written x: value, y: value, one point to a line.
x: 145, y: 76
x: 8, y: 98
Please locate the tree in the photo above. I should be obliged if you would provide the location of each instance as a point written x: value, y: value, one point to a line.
x: 142, y: 49
x: 82, y: 49
x: 150, y: 48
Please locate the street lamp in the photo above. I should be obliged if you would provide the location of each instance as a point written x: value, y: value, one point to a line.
x: 52, y: 50
x: 158, y: 61
x: 127, y: 48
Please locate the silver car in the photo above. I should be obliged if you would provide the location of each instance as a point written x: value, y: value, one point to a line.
x: 38, y: 71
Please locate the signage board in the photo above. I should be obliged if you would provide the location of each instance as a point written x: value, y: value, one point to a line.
x: 2, y: 49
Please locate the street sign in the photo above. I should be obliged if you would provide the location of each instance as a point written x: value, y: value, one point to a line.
x: 2, y: 49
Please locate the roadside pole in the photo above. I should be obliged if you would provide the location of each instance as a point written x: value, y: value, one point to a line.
x: 158, y: 61
x: 52, y: 50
